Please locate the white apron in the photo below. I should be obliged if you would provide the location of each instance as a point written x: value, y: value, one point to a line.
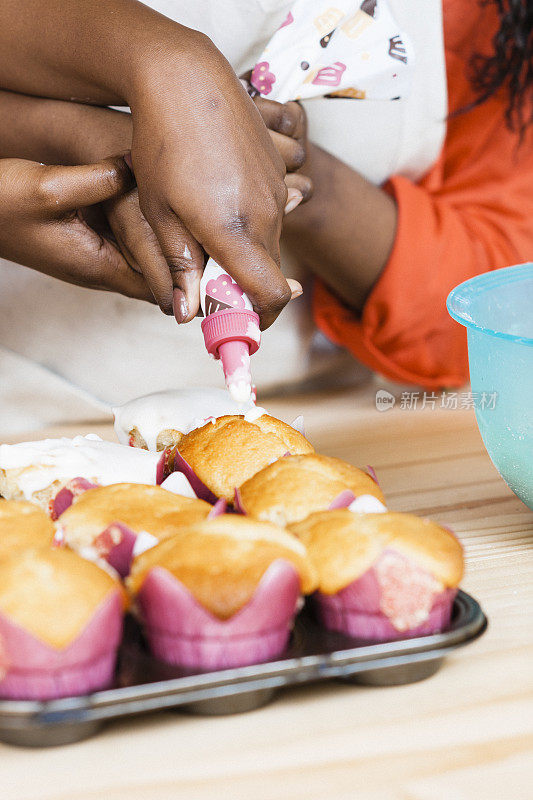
x: 85, y: 350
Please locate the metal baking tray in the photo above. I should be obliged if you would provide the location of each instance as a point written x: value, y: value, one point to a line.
x: 314, y: 654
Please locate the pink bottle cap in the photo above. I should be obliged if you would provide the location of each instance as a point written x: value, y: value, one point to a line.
x: 233, y: 336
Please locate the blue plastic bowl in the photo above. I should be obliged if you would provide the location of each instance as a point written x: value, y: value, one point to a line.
x: 497, y: 310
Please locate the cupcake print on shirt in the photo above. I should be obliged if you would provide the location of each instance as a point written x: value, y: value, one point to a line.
x: 356, y: 50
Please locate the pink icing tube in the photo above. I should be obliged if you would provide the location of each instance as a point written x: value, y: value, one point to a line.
x: 230, y: 328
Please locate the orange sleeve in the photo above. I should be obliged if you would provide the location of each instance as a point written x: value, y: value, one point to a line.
x: 473, y: 212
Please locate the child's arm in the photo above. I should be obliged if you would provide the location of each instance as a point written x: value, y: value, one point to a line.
x: 472, y: 212
x: 207, y: 172
x: 387, y: 258
x: 345, y: 235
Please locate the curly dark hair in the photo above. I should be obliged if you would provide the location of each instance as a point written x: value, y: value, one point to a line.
x: 510, y: 65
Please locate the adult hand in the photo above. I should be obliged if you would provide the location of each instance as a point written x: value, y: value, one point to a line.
x: 71, y: 133
x: 209, y: 178
x: 41, y: 227
x: 208, y: 174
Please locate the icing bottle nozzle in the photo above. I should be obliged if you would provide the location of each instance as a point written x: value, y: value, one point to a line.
x: 230, y: 328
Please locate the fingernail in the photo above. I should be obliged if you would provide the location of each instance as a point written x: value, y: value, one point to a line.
x: 180, y: 306
x: 295, y: 287
x: 294, y: 198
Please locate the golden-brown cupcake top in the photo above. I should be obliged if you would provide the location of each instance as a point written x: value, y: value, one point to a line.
x: 52, y: 593
x: 343, y: 546
x: 139, y: 506
x: 293, y: 487
x: 226, y: 452
x: 23, y: 525
x: 221, y: 561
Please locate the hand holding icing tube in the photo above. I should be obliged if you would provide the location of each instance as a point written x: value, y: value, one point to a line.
x: 354, y: 50
x: 230, y: 328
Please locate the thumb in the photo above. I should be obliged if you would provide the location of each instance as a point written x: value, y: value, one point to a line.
x: 70, y: 188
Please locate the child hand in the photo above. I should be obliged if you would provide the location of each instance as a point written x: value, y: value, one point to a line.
x: 287, y: 125
x: 41, y: 227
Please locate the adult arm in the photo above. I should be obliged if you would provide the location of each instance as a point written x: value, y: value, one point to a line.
x: 207, y: 172
x: 60, y: 132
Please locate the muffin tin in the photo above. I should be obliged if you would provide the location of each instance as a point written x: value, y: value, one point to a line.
x: 314, y: 654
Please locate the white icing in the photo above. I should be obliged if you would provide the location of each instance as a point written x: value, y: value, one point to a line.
x: 59, y: 535
x: 254, y: 413
x: 90, y: 553
x: 239, y: 382
x: 298, y: 424
x: 179, y: 410
x: 253, y: 332
x: 86, y: 551
x: 144, y: 541
x: 90, y: 457
x: 240, y: 390
x: 177, y: 483
x: 367, y: 504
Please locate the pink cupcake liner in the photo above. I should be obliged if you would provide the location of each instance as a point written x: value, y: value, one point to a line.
x: 372, y: 472
x: 333, y: 614
x: 115, y: 544
x: 69, y: 682
x: 343, y: 500
x: 198, y: 486
x: 217, y: 653
x: 237, y: 502
x: 32, y: 670
x: 357, y: 609
x: 180, y: 631
x: 218, y: 509
x: 66, y: 496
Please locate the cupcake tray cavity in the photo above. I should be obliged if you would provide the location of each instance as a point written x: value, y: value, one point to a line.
x: 314, y: 654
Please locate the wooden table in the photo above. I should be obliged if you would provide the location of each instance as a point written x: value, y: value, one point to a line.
x: 464, y: 734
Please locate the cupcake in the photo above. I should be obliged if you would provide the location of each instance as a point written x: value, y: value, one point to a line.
x: 23, y: 525
x: 161, y: 419
x: 382, y: 576
x: 222, y: 593
x: 37, y: 471
x: 224, y: 453
x: 60, y: 625
x: 292, y: 488
x: 119, y: 521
